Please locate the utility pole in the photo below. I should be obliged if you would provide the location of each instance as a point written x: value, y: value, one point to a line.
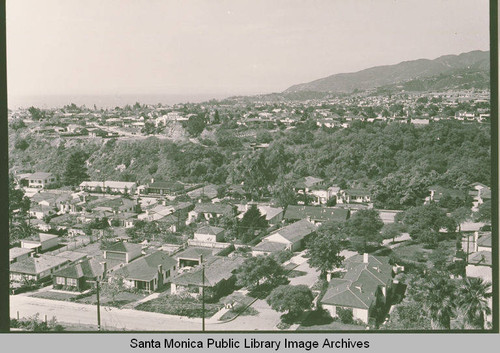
x: 202, y: 294
x: 98, y: 306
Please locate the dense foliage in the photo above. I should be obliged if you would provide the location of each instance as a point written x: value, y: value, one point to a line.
x: 398, y: 162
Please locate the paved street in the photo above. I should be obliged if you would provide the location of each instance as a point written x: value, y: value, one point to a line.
x: 130, y: 319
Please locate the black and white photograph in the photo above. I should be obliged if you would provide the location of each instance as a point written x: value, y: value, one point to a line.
x: 241, y: 166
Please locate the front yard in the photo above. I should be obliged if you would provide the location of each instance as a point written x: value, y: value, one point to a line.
x: 184, y: 305
x: 120, y: 299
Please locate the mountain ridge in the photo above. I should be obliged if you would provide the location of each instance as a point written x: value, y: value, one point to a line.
x: 390, y: 74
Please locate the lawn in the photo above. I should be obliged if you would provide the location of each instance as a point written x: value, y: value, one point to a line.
x: 240, y: 307
x: 54, y: 295
x: 417, y: 253
x: 120, y: 299
x: 179, y: 305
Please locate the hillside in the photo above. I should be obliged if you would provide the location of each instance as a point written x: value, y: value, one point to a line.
x: 392, y: 74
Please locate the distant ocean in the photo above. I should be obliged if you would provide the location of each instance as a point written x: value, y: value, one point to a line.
x: 107, y: 101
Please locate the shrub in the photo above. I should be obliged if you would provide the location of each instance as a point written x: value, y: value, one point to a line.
x: 345, y: 315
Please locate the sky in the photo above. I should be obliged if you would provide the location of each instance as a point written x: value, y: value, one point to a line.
x: 229, y: 47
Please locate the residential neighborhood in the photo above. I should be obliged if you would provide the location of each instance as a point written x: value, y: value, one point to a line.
x: 248, y: 166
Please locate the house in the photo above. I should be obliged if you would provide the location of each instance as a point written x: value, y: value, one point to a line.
x: 81, y: 275
x: 219, y: 271
x: 354, y: 195
x: 267, y: 248
x: 209, y: 211
x: 122, y: 187
x: 36, y: 268
x: 126, y: 219
x: 273, y: 215
x: 123, y: 252
x: 316, y: 215
x: 362, y: 288
x: 479, y: 193
x: 156, y: 213
x: 438, y: 192
x: 164, y: 188
x: 209, y: 234
x: 40, y: 212
x: 479, y: 262
x: 19, y: 254
x: 292, y: 235
x: 147, y: 273
x: 40, y: 180
x: 72, y: 256
x: 114, y: 205
x: 302, y: 186
x: 321, y: 195
x: 209, y: 191
x: 41, y: 242
x: 192, y: 256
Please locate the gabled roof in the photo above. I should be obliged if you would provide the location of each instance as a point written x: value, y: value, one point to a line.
x: 216, y: 269
x: 296, y: 231
x: 269, y: 246
x: 209, y: 191
x: 484, y: 239
x: 89, y: 268
x: 360, y: 283
x: 357, y: 192
x: 16, y: 252
x: 72, y: 255
x: 209, y: 230
x: 40, y: 175
x: 124, y: 247
x: 218, y: 208
x: 37, y: 265
x: 195, y: 253
x: 146, y: 268
x: 480, y: 258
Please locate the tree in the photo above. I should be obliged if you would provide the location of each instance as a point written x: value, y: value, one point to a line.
x: 424, y: 223
x: 18, y: 203
x: 472, y: 301
x: 284, y: 194
x: 112, y: 288
x: 21, y: 230
x: 293, y: 299
x: 252, y: 220
x: 484, y: 212
x: 259, y: 270
x: 439, y: 300
x: 363, y: 229
x: 408, y: 316
x: 195, y: 125
x: 392, y: 230
x: 460, y: 215
x: 75, y: 171
x: 323, y: 250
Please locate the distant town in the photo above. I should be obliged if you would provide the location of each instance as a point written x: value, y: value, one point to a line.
x: 306, y: 211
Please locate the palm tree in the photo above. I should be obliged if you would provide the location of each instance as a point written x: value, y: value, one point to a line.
x: 472, y: 302
x: 439, y: 301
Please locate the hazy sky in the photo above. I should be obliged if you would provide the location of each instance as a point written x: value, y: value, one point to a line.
x: 217, y: 46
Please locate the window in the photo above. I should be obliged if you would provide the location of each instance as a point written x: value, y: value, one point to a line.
x: 71, y: 282
x: 60, y: 280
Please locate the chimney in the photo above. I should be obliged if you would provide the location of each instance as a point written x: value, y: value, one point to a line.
x: 365, y: 258
x: 160, y: 269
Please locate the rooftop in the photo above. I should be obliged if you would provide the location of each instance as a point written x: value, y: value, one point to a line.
x: 216, y: 269
x: 146, y: 268
x: 36, y: 265
x: 296, y: 231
